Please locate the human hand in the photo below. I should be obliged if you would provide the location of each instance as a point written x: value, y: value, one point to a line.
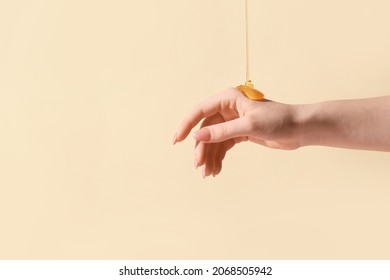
x: 231, y: 118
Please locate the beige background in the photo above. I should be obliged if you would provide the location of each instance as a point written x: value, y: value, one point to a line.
x: 91, y: 93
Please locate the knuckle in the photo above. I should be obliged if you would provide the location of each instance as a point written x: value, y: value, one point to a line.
x: 221, y: 132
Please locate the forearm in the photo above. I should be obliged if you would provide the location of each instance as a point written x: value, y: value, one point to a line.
x: 356, y: 124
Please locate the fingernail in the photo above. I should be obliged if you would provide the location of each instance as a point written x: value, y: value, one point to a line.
x: 202, y: 135
x: 174, y: 140
x: 204, y: 172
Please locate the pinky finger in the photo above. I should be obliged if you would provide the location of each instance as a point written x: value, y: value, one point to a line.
x: 220, y: 155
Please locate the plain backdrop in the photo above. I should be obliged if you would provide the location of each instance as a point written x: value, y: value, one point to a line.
x: 91, y: 93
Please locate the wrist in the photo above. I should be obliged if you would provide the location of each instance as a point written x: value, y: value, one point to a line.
x: 305, y: 115
x: 316, y: 123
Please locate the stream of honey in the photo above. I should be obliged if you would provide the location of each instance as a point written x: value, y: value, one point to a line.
x: 248, y: 89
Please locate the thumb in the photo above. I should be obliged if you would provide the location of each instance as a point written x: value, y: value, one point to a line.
x: 223, y: 131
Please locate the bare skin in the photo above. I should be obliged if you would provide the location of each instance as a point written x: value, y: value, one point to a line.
x: 230, y: 118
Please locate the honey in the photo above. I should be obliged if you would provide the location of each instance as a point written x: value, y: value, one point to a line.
x: 248, y: 89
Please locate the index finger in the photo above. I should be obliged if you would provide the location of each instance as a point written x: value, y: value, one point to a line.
x: 205, y: 109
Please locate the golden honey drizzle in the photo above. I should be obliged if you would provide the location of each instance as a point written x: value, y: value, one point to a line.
x: 248, y: 89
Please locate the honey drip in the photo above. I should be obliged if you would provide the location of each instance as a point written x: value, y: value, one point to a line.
x: 248, y: 89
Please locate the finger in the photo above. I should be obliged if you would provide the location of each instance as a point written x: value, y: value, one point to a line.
x: 217, y: 163
x: 220, y: 155
x: 224, y: 147
x: 223, y: 131
x: 207, y: 108
x: 210, y: 158
x: 200, y: 153
x: 202, y: 150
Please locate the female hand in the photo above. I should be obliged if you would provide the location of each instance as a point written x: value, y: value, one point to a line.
x: 230, y: 118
